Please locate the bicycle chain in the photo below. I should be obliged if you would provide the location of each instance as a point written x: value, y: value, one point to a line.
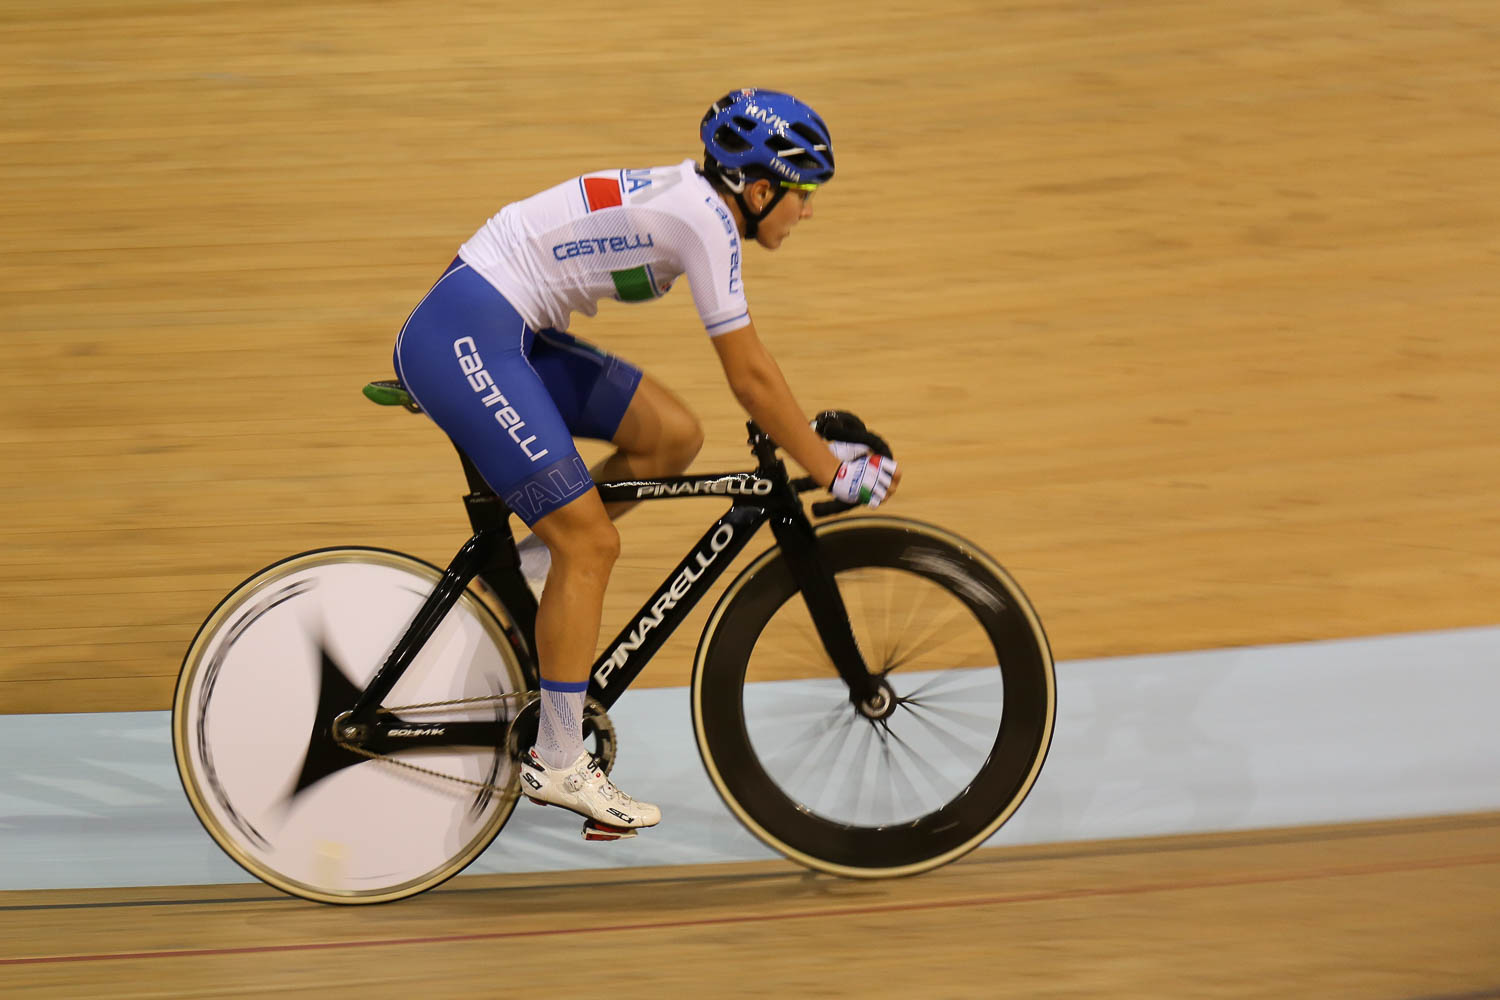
x: 392, y: 710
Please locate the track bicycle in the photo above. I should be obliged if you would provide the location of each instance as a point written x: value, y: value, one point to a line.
x: 871, y: 696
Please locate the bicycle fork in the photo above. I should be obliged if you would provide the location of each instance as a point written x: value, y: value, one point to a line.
x: 799, y: 544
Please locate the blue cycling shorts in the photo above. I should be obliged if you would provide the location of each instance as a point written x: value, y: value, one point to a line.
x: 511, y: 397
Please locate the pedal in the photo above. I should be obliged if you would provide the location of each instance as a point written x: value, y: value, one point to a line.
x: 595, y: 830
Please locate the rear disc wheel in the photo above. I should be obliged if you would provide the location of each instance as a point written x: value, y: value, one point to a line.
x: 285, y: 654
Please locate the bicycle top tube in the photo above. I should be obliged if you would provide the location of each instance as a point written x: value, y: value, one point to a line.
x: 741, y: 487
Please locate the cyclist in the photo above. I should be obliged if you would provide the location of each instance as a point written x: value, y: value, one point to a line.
x: 485, y: 355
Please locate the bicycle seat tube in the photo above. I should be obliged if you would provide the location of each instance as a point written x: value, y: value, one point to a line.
x: 477, y: 553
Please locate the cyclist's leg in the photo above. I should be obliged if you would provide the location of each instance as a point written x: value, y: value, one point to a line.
x: 607, y: 398
x: 658, y: 436
x: 462, y: 356
x: 584, y: 546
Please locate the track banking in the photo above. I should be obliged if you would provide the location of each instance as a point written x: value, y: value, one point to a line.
x: 602, y: 244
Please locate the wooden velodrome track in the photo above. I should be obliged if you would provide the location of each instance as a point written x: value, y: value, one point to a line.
x: 1186, y: 311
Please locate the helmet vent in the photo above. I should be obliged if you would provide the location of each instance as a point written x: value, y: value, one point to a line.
x: 748, y: 124
x: 811, y: 136
x: 730, y: 141
x: 793, y: 153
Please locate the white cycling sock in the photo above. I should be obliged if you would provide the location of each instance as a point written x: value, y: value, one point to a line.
x: 536, y: 561
x: 559, y: 738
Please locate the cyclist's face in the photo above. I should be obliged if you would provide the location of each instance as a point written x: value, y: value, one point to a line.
x: 794, y: 206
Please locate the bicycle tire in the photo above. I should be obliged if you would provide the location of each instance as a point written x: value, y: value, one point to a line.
x: 252, y: 757
x: 742, y: 760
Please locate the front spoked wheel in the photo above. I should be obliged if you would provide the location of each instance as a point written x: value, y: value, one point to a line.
x: 253, y: 729
x: 930, y: 769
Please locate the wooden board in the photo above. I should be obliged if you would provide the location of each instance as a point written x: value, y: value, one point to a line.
x: 1399, y: 910
x: 1186, y: 312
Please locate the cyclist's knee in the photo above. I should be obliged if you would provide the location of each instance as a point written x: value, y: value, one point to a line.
x: 593, y: 542
x: 659, y: 431
x: 682, y: 439
x: 678, y: 438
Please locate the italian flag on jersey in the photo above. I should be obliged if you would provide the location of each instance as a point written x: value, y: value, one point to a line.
x: 636, y: 284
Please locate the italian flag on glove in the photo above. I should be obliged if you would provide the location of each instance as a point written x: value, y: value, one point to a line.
x: 864, y: 480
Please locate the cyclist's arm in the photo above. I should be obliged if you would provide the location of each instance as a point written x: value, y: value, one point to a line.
x: 762, y: 390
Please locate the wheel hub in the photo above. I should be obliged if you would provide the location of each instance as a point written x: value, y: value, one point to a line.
x: 346, y: 732
x: 880, y: 704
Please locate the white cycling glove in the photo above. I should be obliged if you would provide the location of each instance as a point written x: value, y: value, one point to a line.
x: 847, y: 451
x: 863, y: 480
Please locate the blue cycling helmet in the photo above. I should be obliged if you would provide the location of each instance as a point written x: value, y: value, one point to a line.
x: 750, y: 134
x: 766, y: 129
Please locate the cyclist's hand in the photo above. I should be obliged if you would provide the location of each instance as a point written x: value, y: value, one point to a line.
x: 847, y: 451
x: 864, y: 480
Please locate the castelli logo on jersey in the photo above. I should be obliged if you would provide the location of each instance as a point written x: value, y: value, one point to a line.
x: 679, y: 589
x: 603, y: 244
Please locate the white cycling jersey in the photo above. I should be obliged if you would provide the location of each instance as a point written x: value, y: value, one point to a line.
x: 621, y: 234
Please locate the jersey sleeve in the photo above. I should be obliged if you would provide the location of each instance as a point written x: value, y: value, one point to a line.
x: 712, y: 265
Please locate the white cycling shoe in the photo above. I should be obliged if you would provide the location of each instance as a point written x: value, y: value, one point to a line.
x: 584, y: 788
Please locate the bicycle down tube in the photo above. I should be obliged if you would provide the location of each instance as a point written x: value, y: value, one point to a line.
x: 629, y: 652
x: 756, y: 500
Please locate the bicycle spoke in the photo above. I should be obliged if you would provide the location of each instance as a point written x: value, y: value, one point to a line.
x: 884, y: 792
x: 899, y: 784
x: 987, y: 730
x: 807, y: 738
x: 854, y: 783
x: 974, y: 721
x: 920, y: 763
x: 821, y: 711
x: 816, y: 654
x: 805, y: 731
x: 945, y: 679
x: 878, y: 776
x: 826, y: 690
x: 957, y: 709
x: 926, y: 646
x: 889, y: 639
x: 822, y: 764
x: 874, y: 593
x: 801, y: 633
x: 907, y: 628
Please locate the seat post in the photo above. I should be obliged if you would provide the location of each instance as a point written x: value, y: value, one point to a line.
x: 501, y: 569
x: 471, y: 473
x: 487, y: 512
